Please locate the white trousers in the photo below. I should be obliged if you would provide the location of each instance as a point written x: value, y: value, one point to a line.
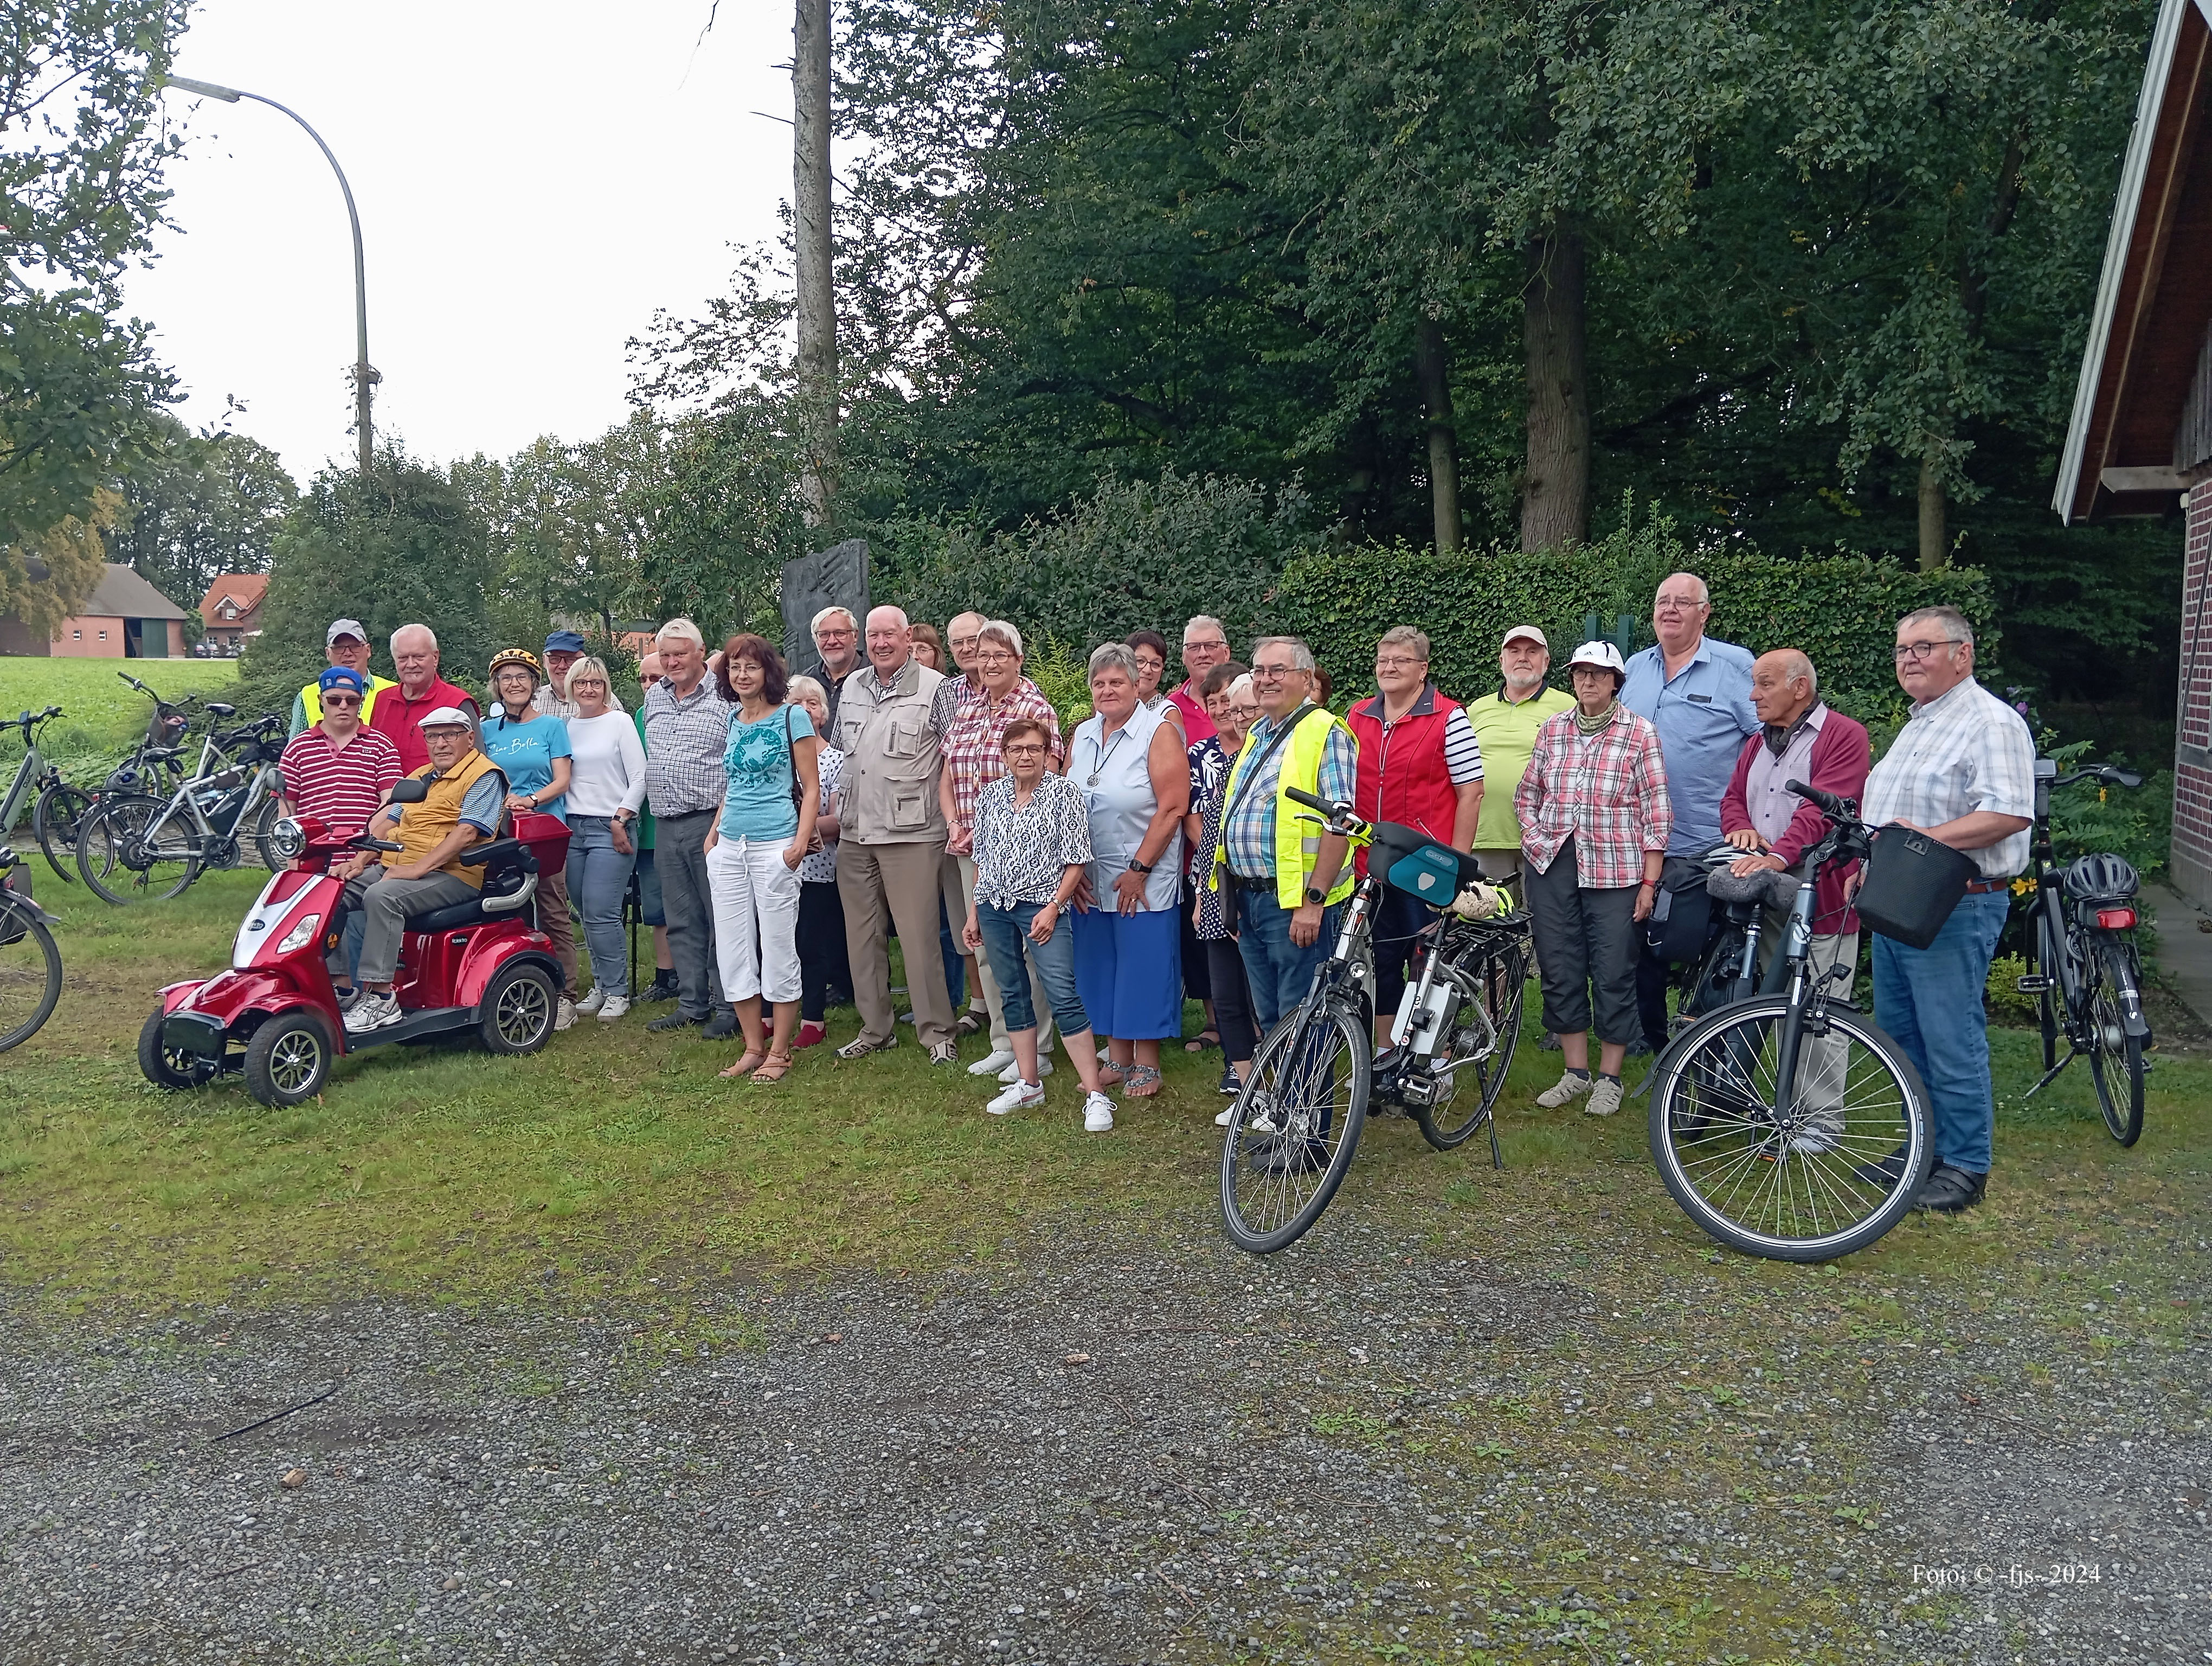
x: 756, y: 919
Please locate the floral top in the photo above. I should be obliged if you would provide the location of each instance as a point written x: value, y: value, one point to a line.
x: 1607, y: 792
x: 1021, y: 853
x: 1209, y: 774
x: 819, y: 867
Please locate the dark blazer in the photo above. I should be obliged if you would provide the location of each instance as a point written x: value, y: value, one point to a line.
x: 1842, y: 755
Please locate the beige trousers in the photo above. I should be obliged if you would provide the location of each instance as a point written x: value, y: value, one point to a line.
x: 1823, y: 1085
x: 880, y: 885
x: 959, y: 898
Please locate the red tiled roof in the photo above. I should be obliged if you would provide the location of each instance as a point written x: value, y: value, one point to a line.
x: 247, y: 589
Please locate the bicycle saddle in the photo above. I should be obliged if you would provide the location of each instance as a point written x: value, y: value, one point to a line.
x: 1776, y: 886
x: 215, y: 707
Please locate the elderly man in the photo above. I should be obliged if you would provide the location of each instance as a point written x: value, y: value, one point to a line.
x: 345, y: 643
x: 1505, y: 725
x: 562, y: 649
x: 399, y: 712
x: 339, y: 772
x: 837, y: 643
x: 962, y: 633
x: 687, y: 730
x: 664, y: 986
x: 1697, y: 692
x: 892, y: 727
x: 1962, y: 771
x: 1205, y: 645
x: 467, y: 793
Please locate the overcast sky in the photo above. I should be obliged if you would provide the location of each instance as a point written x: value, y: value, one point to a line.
x: 534, y: 180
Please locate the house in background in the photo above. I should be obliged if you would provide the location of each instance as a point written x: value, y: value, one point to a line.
x: 125, y: 618
x: 2140, y: 439
x: 231, y: 610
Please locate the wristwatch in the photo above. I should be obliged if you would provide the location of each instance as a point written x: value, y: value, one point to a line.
x: 1136, y: 866
x: 1315, y: 896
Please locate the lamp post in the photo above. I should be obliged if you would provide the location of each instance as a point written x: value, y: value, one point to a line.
x: 364, y: 376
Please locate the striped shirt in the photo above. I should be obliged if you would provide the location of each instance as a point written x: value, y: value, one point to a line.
x: 684, y: 738
x: 1249, y: 824
x: 339, y: 785
x: 1962, y: 751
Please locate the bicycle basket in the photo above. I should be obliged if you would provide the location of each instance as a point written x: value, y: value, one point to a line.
x: 1410, y: 860
x: 1912, y: 884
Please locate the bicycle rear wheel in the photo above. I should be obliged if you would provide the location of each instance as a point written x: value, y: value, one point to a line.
x: 2116, y: 1060
x: 1296, y: 1125
x: 56, y: 819
x: 264, y: 824
x: 1833, y: 1176
x: 30, y: 975
x: 122, y: 865
x: 1464, y: 1102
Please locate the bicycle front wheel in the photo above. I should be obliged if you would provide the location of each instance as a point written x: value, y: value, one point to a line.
x: 125, y: 862
x: 1295, y: 1127
x: 1829, y: 1175
x: 1464, y: 1100
x: 2116, y: 1060
x: 264, y: 826
x: 30, y: 975
x: 56, y: 819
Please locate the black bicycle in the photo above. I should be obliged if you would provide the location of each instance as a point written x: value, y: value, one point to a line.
x: 1786, y: 1124
x: 1300, y: 1112
x: 56, y: 807
x: 30, y: 961
x: 2085, y: 969
x: 134, y: 846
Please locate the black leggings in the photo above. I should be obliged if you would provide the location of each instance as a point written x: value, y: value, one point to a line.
x: 1232, y: 1001
x: 823, y: 963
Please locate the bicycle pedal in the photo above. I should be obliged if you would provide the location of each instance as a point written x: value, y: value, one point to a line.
x: 2033, y: 984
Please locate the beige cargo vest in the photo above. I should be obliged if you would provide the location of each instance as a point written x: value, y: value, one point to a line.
x: 889, y: 788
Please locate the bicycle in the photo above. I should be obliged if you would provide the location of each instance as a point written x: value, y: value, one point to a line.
x: 30, y: 961
x: 1299, y: 1116
x: 1786, y: 1124
x: 2086, y: 972
x: 59, y: 809
x: 137, y: 846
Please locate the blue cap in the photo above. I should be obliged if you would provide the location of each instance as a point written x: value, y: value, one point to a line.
x: 346, y: 674
x: 564, y: 641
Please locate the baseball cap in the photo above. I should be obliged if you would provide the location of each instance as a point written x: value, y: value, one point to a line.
x: 564, y: 641
x: 352, y: 628
x: 1602, y: 654
x: 1530, y: 632
x: 346, y: 674
x: 446, y: 717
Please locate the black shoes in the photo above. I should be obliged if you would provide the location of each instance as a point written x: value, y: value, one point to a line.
x: 663, y: 988
x: 1949, y: 1191
x: 723, y: 1025
x: 1884, y: 1170
x: 1230, y: 1085
x: 676, y: 1021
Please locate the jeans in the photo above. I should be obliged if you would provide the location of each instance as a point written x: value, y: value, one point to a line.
x: 1930, y: 1000
x: 679, y: 853
x: 1007, y: 940
x: 598, y: 879
x: 1278, y: 972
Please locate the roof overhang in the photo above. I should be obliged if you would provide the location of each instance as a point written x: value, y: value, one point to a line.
x: 2154, y: 295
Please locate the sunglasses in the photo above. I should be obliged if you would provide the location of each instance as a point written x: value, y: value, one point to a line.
x: 341, y: 700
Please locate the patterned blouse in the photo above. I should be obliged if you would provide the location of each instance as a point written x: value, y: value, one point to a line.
x: 1021, y: 853
x: 819, y: 867
x: 974, y: 749
x: 1607, y: 792
x: 1209, y: 774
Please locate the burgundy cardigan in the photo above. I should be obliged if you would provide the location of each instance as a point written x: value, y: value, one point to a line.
x: 1842, y: 755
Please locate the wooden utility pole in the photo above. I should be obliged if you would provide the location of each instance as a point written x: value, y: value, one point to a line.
x: 1431, y: 365
x: 1555, y: 480
x: 818, y: 294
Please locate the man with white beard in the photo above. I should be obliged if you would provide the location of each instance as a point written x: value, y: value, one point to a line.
x: 1505, y: 725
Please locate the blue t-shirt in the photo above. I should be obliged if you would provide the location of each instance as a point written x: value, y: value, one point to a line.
x: 526, y: 751
x: 756, y: 805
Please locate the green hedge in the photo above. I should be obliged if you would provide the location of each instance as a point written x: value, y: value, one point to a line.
x: 1841, y: 612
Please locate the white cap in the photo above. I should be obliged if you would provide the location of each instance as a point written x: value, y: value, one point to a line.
x: 1598, y: 653
x: 446, y: 716
x: 344, y: 628
x: 1530, y: 632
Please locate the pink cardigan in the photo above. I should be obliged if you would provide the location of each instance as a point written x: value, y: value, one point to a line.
x: 1842, y: 755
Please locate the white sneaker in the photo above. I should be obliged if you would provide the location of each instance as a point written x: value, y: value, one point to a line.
x: 1097, y: 1115
x: 1823, y: 1131
x: 1105, y: 1055
x: 1227, y: 1117
x: 592, y: 1002
x: 612, y: 1007
x: 1569, y: 1088
x: 1604, y: 1096
x: 1021, y: 1095
x: 998, y: 1059
x: 373, y: 1012
x: 564, y: 1014
x: 1013, y: 1073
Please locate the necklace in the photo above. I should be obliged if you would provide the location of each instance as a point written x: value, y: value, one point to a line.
x: 1099, y: 755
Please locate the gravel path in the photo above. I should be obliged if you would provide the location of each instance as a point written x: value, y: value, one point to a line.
x: 1113, y: 1450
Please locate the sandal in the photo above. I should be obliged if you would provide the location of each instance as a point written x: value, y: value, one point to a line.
x: 747, y: 1062
x: 968, y: 1024
x: 1139, y: 1081
x: 1110, y: 1074
x: 1207, y: 1038
x: 773, y: 1068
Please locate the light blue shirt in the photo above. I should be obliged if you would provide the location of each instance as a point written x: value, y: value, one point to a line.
x: 526, y: 751
x: 759, y: 772
x: 1702, y: 713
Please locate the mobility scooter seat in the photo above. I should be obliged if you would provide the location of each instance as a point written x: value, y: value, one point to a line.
x: 508, y: 865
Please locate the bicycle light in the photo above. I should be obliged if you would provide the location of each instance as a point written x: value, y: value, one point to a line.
x: 2116, y: 920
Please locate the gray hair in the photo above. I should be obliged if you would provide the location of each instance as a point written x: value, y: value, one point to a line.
x: 1241, y: 689
x: 588, y: 668
x: 1301, y: 655
x: 1705, y: 590
x: 1114, y: 656
x: 1198, y: 619
x: 1005, y: 632
x: 1406, y: 636
x: 404, y: 629
x: 815, y: 629
x: 680, y: 630
x: 1955, y: 626
x: 1797, y: 663
x: 798, y: 686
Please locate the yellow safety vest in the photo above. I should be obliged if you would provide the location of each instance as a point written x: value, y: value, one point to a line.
x: 310, y: 699
x: 1298, y: 843
x: 422, y: 825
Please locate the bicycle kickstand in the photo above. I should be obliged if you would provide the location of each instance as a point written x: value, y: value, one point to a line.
x: 2051, y: 1075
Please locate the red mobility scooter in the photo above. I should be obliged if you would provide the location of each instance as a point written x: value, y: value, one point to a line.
x: 481, y: 965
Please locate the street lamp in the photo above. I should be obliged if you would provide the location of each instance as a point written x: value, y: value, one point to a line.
x: 364, y: 377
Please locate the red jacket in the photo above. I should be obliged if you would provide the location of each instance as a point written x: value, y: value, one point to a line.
x: 1402, y: 777
x: 1842, y: 755
x: 399, y: 720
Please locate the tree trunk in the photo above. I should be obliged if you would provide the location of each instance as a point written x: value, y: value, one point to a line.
x: 1935, y: 543
x: 1430, y: 364
x: 1555, y: 484
x: 817, y: 299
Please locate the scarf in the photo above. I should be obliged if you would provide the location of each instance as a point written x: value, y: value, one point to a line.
x: 1591, y: 725
x: 1777, y: 738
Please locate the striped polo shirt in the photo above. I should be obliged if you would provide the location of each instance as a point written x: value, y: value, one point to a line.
x: 339, y: 785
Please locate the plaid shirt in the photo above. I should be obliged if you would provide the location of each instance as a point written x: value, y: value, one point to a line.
x: 1607, y: 792
x: 1249, y: 824
x: 973, y: 754
x: 1962, y: 751
x: 683, y: 744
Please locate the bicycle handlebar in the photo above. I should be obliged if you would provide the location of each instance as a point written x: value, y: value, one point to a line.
x: 2111, y: 775
x: 1341, y: 818
x: 1838, y: 809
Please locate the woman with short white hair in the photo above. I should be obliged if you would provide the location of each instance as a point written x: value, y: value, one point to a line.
x: 606, y: 786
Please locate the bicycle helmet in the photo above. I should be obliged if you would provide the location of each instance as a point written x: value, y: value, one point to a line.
x: 2101, y: 877
x: 516, y: 656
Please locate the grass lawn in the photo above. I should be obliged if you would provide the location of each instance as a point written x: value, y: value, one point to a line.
x: 616, y: 1158
x: 102, y: 714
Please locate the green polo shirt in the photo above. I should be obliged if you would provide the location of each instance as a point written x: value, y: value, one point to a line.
x: 1508, y: 736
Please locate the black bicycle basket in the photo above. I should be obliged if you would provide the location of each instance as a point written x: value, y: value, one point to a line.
x: 1913, y: 882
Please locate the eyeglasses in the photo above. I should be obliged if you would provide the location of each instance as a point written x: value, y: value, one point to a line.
x: 340, y: 701
x: 1905, y: 650
x: 995, y: 658
x: 1396, y: 662
x: 967, y: 642
x: 1204, y: 641
x: 1025, y: 749
x: 1263, y: 673
x: 839, y: 635
x: 1147, y: 662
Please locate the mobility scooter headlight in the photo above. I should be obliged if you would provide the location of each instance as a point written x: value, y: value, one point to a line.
x: 287, y: 840
x: 300, y: 935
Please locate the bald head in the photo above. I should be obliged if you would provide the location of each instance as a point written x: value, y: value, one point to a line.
x: 891, y: 641
x: 1783, y: 686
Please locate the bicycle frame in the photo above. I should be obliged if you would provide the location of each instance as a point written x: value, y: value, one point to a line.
x: 32, y: 774
x: 187, y: 797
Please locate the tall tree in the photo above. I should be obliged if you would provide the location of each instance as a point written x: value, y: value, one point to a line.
x: 812, y: 230
x: 199, y: 506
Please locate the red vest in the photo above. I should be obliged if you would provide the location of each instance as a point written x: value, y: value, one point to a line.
x: 399, y: 720
x: 1402, y: 777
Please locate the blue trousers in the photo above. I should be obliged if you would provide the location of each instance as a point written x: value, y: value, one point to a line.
x: 1278, y: 971
x: 1007, y: 944
x: 1930, y: 1000
x: 599, y: 879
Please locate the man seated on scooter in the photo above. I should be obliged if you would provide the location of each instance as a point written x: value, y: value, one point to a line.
x: 467, y: 793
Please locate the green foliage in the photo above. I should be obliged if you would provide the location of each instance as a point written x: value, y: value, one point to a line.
x: 201, y: 506
x: 723, y: 514
x: 2089, y: 817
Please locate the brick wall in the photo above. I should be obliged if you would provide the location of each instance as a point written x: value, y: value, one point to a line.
x: 2192, y: 763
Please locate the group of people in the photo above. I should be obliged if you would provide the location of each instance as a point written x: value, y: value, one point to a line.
x: 784, y: 827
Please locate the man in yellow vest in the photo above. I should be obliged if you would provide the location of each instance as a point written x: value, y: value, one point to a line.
x: 345, y: 643
x: 466, y: 793
x: 1284, y: 877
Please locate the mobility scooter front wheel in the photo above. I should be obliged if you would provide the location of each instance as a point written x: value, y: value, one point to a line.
x: 172, y: 1068
x: 288, y: 1059
x: 518, y: 1009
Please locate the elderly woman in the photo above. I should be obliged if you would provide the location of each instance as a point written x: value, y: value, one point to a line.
x: 1210, y: 762
x: 974, y: 759
x: 606, y: 786
x: 533, y: 752
x: 1594, y: 822
x: 929, y: 647
x: 772, y: 796
x: 1135, y: 779
x: 823, y: 971
x: 1033, y: 844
